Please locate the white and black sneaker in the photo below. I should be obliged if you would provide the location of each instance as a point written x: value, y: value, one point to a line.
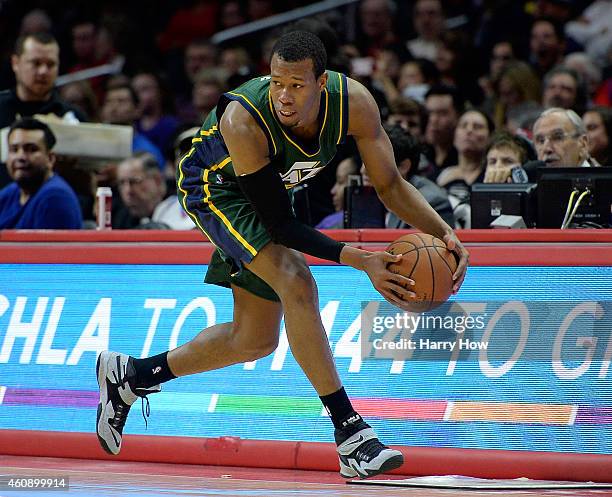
x: 116, y: 377
x: 361, y: 453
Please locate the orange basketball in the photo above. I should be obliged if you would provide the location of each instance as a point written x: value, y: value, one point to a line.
x: 427, y: 261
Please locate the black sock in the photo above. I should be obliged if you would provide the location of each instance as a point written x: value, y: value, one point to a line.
x: 152, y: 371
x: 338, y: 406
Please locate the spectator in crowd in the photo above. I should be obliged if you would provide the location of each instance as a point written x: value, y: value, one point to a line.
x: 444, y: 106
x: 502, y: 54
x: 408, y: 114
x: 504, y: 152
x: 35, y: 62
x: 564, y: 88
x: 156, y: 109
x: 407, y: 153
x: 121, y: 107
x: 35, y: 21
x: 428, y: 22
x: 80, y: 95
x: 89, y: 52
x: 456, y: 67
x: 411, y: 116
x: 471, y: 137
x: 84, y: 32
x: 560, y: 139
x: 235, y: 60
x: 386, y: 71
x: 589, y: 72
x: 232, y: 14
x: 547, y: 45
x: 416, y: 77
x: 598, y: 124
x: 37, y: 198
x: 199, y: 54
x: 592, y: 30
x: 515, y: 85
x: 209, y: 85
x: 377, y: 26
x: 346, y: 168
x: 142, y: 188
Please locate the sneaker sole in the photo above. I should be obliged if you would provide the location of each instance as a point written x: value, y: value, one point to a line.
x: 389, y: 465
x: 103, y: 401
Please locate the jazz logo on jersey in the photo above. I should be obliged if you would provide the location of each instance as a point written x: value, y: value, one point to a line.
x: 301, y: 171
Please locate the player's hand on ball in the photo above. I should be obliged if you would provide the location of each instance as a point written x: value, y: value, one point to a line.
x: 454, y: 245
x: 395, y: 288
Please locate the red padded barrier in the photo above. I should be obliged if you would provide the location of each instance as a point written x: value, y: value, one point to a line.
x: 89, y: 236
x: 503, y: 235
x: 231, y: 451
x: 369, y: 235
x: 200, y: 253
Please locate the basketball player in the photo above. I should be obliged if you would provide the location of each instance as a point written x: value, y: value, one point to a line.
x: 261, y: 140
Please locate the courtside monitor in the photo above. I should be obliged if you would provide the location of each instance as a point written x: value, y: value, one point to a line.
x: 363, y: 208
x: 574, y: 197
x: 491, y: 200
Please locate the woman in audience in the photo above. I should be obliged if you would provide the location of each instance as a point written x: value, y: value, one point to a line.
x: 471, y: 138
x: 598, y: 124
x: 416, y: 77
x: 517, y: 84
x: 157, y: 121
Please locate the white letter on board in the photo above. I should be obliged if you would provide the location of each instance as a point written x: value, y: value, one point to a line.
x: 89, y: 341
x: 47, y: 354
x: 485, y: 366
x: 589, y: 343
x: 157, y: 305
x: 19, y: 329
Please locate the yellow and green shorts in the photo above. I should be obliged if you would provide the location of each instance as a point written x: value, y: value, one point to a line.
x: 218, y: 207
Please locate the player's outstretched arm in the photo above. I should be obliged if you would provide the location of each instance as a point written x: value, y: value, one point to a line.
x: 399, y: 196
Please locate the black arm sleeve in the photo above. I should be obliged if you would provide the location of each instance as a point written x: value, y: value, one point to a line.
x: 268, y: 196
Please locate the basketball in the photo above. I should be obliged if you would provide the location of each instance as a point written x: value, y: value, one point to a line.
x: 427, y: 261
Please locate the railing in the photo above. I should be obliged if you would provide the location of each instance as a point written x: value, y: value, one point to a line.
x: 279, y: 19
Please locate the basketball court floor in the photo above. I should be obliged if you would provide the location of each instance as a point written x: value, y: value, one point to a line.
x: 115, y: 479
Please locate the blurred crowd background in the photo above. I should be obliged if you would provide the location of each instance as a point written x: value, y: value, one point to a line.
x: 459, y: 83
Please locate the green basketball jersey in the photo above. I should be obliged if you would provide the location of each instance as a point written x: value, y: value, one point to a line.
x: 294, y: 161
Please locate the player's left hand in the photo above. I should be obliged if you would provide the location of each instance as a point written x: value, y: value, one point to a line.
x: 454, y: 245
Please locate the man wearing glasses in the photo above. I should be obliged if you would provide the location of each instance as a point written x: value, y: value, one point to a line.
x: 141, y: 188
x: 560, y: 139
